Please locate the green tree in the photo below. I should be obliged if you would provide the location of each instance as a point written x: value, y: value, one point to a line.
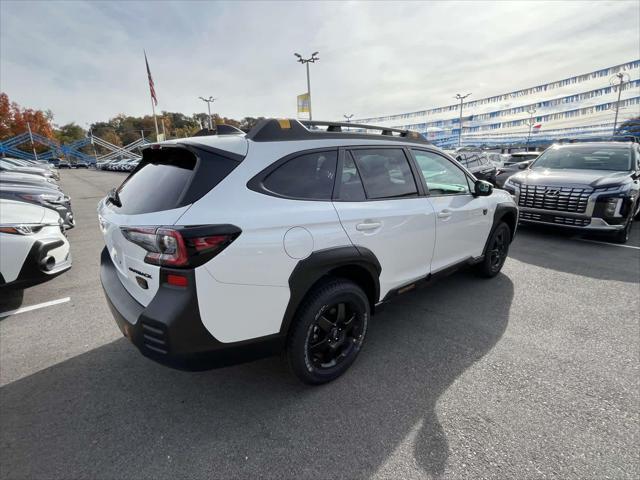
x: 69, y: 133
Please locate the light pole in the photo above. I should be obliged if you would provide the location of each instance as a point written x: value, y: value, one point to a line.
x: 461, y: 98
x: 621, y: 77
x: 306, y: 62
x: 348, y: 117
x: 209, y: 101
x: 530, y: 111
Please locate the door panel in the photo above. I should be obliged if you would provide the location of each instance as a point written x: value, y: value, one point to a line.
x: 401, y: 234
x: 462, y: 226
x: 399, y: 231
x: 462, y: 220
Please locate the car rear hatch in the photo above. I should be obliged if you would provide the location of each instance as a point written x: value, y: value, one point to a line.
x: 168, y: 180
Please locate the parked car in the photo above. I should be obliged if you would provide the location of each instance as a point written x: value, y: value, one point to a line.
x: 477, y: 163
x: 64, y: 164
x: 28, y: 178
x: 54, y: 162
x: 33, y: 248
x: 18, y: 162
x: 592, y: 187
x: 81, y: 164
x: 130, y: 165
x: 7, y: 165
x: 227, y: 248
x: 44, y: 196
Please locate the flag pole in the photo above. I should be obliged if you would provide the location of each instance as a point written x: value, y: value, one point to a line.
x: 155, y: 119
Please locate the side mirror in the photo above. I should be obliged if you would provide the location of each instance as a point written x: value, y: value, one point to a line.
x: 482, y: 188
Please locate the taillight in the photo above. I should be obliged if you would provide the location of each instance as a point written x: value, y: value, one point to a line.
x: 181, y: 247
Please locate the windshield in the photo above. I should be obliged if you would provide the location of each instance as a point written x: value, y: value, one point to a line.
x: 585, y: 158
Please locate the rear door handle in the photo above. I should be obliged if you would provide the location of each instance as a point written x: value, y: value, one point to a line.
x: 444, y: 214
x: 368, y: 225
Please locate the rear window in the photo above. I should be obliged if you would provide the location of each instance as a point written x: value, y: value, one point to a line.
x: 171, y: 178
x: 308, y: 176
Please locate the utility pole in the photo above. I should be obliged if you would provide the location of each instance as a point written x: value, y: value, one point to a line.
x: 306, y: 62
x: 209, y: 101
x: 621, y: 76
x: 530, y: 111
x: 461, y: 98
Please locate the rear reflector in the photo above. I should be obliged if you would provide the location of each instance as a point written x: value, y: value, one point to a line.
x: 177, y: 280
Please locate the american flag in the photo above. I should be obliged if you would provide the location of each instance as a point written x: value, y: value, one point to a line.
x: 151, y: 88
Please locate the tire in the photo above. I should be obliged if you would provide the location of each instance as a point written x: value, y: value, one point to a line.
x: 496, y: 252
x: 328, y: 331
x: 623, y: 235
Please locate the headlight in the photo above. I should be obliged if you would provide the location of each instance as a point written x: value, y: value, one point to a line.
x: 21, y: 229
x: 612, y: 207
x: 510, y: 182
x: 44, y: 198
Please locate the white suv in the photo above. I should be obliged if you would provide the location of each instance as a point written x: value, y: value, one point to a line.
x: 227, y: 248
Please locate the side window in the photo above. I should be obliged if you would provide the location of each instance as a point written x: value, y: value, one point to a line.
x: 442, y: 176
x: 385, y: 173
x: 308, y: 176
x: 351, y: 189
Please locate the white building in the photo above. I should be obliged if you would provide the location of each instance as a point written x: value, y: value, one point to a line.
x: 576, y: 107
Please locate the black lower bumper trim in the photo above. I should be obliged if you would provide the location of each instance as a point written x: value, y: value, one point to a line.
x: 170, y: 331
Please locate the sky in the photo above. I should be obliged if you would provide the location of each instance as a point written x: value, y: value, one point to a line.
x: 84, y: 60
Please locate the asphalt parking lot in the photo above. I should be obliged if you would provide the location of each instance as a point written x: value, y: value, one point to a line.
x: 533, y: 374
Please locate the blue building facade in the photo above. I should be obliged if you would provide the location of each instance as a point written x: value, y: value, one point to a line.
x: 582, y: 106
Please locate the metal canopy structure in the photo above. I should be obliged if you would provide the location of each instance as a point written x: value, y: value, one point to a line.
x: 9, y: 148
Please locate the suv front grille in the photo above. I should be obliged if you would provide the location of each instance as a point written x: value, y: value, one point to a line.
x: 154, y: 338
x: 536, y: 217
x: 562, y: 199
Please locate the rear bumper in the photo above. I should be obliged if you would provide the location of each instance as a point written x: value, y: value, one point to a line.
x: 170, y: 331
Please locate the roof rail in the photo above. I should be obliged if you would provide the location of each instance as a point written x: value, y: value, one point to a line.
x: 271, y: 130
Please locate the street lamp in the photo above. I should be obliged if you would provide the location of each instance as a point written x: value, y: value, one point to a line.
x: 461, y: 98
x: 530, y: 111
x: 209, y: 101
x: 306, y: 62
x: 348, y: 117
x: 622, y: 77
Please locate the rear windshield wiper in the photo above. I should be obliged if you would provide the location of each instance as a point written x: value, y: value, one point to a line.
x: 114, y: 198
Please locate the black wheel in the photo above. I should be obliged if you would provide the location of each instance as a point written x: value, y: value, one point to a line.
x: 623, y: 235
x: 497, y: 251
x: 329, y: 331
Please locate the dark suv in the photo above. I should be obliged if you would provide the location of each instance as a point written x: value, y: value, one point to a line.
x: 587, y: 186
x: 477, y: 163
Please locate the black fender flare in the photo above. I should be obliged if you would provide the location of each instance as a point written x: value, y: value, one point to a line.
x: 317, y: 265
x: 503, y: 210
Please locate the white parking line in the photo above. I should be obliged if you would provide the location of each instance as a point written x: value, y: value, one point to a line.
x: 606, y: 243
x: 35, y: 307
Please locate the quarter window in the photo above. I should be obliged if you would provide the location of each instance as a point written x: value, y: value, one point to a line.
x: 385, y: 173
x: 308, y: 176
x: 441, y: 175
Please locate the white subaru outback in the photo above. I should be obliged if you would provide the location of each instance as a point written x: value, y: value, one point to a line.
x: 227, y: 248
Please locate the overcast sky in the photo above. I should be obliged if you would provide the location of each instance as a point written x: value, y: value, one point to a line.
x: 84, y: 60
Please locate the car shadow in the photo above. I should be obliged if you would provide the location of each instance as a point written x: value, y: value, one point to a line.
x: 565, y: 251
x: 10, y: 299
x: 110, y: 413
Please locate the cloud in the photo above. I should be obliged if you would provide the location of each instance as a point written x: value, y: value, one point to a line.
x: 84, y: 60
